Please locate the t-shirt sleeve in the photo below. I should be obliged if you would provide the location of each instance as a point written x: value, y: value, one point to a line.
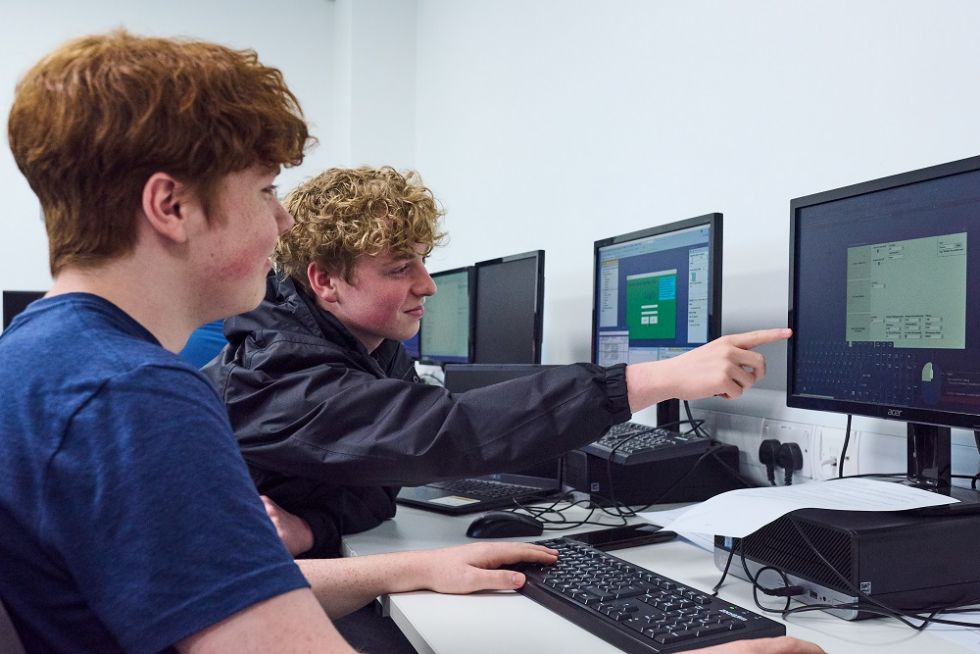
x: 150, y: 507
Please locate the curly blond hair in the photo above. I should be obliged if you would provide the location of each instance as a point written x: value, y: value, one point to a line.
x: 93, y: 120
x: 344, y: 213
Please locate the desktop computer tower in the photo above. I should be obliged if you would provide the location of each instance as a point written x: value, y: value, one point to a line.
x: 669, y: 479
x: 906, y: 561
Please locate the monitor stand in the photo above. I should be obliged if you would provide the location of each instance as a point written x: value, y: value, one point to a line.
x: 669, y: 413
x: 929, y: 464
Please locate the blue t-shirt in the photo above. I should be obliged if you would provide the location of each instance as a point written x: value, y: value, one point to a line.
x: 204, y: 344
x: 128, y: 520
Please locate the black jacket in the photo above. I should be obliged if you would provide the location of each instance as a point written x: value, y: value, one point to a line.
x: 329, y: 431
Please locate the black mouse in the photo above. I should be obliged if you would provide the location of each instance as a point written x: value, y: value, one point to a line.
x: 504, y: 524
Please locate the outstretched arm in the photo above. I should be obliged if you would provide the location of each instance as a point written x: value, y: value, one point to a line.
x: 726, y: 366
x: 345, y: 585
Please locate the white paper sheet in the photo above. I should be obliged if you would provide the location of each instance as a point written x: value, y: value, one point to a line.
x: 704, y: 541
x: 738, y: 513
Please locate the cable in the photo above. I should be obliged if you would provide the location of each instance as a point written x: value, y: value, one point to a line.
x: 628, y: 439
x: 876, y: 606
x: 789, y: 457
x: 843, y: 450
x: 768, y: 450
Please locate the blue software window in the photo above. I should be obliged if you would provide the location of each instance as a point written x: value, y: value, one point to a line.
x: 653, y: 293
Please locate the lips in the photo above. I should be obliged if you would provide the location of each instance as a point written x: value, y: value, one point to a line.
x: 417, y: 312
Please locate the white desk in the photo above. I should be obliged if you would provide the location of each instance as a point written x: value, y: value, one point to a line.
x: 497, y: 622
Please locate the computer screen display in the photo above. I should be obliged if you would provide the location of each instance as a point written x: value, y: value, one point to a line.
x: 509, y: 309
x: 445, y: 334
x: 657, y: 292
x: 885, y: 298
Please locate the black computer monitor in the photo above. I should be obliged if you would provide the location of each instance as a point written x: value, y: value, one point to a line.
x: 16, y: 301
x: 509, y: 309
x: 657, y: 292
x: 885, y: 306
x: 446, y: 331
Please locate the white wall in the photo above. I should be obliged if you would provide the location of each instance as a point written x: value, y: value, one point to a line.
x: 551, y: 124
x: 296, y: 41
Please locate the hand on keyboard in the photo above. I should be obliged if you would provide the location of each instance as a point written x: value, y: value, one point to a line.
x: 470, y: 568
x: 782, y: 645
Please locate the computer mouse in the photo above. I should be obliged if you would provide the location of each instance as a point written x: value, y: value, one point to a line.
x: 504, y: 524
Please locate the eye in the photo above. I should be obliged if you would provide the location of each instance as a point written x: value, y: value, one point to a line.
x: 272, y: 190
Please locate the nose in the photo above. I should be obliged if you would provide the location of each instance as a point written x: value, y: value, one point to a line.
x: 426, y: 285
x: 284, y: 219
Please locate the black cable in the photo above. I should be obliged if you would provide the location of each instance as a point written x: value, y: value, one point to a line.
x: 562, y: 523
x: 871, y: 474
x: 712, y: 451
x: 610, y: 505
x: 724, y: 573
x: 843, y: 450
x: 697, y: 423
x: 626, y: 440
x: 735, y: 474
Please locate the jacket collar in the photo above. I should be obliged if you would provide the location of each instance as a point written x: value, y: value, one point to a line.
x: 324, y: 324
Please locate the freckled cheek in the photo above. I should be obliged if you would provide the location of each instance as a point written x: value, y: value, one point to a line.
x: 242, y: 262
x: 387, y: 310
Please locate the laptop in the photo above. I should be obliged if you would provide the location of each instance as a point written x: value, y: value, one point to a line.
x: 487, y: 492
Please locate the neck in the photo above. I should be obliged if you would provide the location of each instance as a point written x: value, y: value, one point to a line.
x: 154, y: 301
x: 370, y: 343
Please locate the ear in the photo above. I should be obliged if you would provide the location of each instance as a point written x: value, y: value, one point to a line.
x: 324, y: 284
x: 166, y: 204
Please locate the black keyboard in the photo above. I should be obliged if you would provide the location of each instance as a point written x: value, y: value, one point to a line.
x: 485, y: 489
x: 635, y: 609
x: 629, y: 442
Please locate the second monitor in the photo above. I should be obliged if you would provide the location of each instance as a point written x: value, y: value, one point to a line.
x: 657, y: 291
x: 446, y: 331
x: 509, y: 309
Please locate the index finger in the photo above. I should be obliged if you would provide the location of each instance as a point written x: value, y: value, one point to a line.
x: 506, y: 553
x: 750, y: 340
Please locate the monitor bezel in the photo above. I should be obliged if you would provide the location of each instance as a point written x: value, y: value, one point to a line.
x: 715, y: 223
x: 471, y: 292
x: 538, y: 301
x: 884, y: 411
x: 16, y: 301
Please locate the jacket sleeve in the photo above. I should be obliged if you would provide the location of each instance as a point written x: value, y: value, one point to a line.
x: 347, y: 426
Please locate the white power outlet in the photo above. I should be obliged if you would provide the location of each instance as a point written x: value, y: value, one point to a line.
x: 792, y: 432
x: 828, y: 460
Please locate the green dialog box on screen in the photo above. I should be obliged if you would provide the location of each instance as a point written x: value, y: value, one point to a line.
x: 651, y: 305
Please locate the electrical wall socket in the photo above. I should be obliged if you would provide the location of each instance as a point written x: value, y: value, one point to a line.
x: 792, y: 432
x: 827, y: 463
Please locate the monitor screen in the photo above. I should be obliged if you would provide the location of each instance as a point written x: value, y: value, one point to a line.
x: 446, y: 326
x: 880, y: 298
x: 657, y: 292
x: 509, y: 309
x: 16, y: 301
